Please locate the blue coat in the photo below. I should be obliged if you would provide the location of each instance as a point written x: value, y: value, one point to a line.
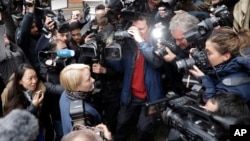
x: 152, y: 75
x: 238, y: 67
x: 65, y: 114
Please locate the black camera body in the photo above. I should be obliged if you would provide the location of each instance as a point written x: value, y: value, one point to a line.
x: 222, y: 17
x: 121, y: 34
x: 79, y: 115
x: 199, y: 34
x: 59, y: 21
x: 93, y: 47
x: 161, y: 52
x: 184, y: 114
x: 199, y: 58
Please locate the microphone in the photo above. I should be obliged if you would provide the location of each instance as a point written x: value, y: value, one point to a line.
x: 63, y: 53
x: 18, y: 125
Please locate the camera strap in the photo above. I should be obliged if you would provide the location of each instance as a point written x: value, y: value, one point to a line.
x: 235, y: 81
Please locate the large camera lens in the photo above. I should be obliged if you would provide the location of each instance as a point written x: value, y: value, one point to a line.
x: 121, y: 34
x: 161, y: 52
x: 185, y: 64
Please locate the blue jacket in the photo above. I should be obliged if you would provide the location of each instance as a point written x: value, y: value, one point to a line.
x: 152, y: 75
x: 65, y: 114
x: 238, y: 67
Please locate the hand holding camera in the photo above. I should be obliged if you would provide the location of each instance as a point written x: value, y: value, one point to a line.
x: 196, y: 71
x: 106, y: 132
x: 164, y: 52
x: 49, y: 23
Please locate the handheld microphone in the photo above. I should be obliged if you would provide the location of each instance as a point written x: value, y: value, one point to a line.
x: 63, y: 53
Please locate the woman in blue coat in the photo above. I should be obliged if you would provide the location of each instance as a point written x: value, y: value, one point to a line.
x: 78, y: 85
x: 229, y: 68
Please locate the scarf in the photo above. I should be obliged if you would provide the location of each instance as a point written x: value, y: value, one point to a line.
x: 79, y: 95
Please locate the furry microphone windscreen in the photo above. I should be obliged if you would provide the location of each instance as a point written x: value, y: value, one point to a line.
x: 18, y: 125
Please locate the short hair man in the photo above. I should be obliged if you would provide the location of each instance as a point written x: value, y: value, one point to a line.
x: 141, y: 83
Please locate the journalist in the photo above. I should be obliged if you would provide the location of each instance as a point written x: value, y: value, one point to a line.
x: 55, y: 27
x: 109, y: 82
x: 79, y: 85
x: 179, y: 24
x: 11, y: 55
x: 50, y: 68
x: 28, y: 35
x: 25, y: 91
x: 229, y: 68
x: 141, y: 83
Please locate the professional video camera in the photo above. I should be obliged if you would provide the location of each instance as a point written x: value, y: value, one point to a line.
x: 221, y: 18
x: 194, y: 123
x: 93, y: 48
x: 199, y: 35
x: 98, y: 47
x: 131, y: 8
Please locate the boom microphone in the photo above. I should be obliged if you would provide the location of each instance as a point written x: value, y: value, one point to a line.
x: 63, y: 53
x: 19, y: 125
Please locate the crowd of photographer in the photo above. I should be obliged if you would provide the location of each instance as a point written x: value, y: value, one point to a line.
x: 137, y: 61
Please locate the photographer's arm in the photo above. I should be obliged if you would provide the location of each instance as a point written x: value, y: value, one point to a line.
x: 10, y: 26
x: 170, y: 57
x: 206, y: 81
x: 148, y: 53
x: 24, y: 31
x: 145, y: 48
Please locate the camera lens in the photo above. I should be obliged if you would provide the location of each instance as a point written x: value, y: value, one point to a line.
x: 185, y: 64
x: 161, y: 52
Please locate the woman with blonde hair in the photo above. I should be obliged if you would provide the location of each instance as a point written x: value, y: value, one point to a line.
x: 79, y: 85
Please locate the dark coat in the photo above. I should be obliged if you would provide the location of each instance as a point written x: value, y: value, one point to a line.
x: 238, y: 67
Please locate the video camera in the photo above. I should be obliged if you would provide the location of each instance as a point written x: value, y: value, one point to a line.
x: 184, y: 114
x: 98, y: 47
x: 199, y: 35
x: 131, y: 8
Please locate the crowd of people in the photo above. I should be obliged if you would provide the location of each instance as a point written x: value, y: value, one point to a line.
x: 58, y: 70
